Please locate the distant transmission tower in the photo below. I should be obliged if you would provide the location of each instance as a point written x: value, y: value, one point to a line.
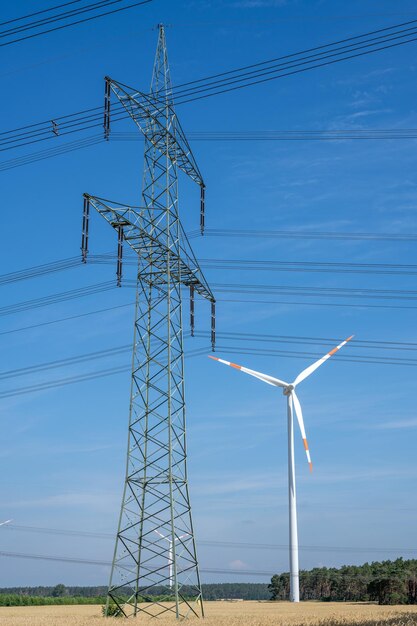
x: 155, y: 552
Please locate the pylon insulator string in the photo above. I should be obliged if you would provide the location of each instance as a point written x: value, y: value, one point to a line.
x: 85, y: 226
x: 192, y: 320
x: 107, y: 101
x: 119, y: 255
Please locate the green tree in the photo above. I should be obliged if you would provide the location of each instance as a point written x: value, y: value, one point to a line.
x: 59, y: 591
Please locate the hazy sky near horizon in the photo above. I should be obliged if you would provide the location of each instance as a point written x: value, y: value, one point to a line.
x: 62, y: 458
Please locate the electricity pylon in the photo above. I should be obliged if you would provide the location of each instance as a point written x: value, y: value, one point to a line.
x: 156, y: 504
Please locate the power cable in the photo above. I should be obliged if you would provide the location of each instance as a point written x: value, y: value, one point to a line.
x: 51, y: 384
x: 62, y: 382
x: 310, y: 266
x: 238, y: 572
x: 24, y: 17
x: 65, y: 319
x: 315, y: 355
x: 343, y: 305
x: 235, y: 288
x: 56, y: 298
x: 57, y: 266
x: 66, y: 559
x: 356, y: 343
x: 297, y: 54
x: 229, y: 264
x: 74, y: 360
x: 285, y: 135
x: 56, y: 18
x: 303, y: 234
x: 333, y: 292
x: 281, y: 74
x: 81, y: 21
x: 205, y: 542
x: 186, y: 92
x: 245, y: 337
x: 47, y: 154
x: 41, y: 155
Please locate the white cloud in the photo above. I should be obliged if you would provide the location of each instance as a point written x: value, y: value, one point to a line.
x: 238, y: 564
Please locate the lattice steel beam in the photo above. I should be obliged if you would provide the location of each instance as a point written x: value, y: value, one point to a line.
x: 155, y: 552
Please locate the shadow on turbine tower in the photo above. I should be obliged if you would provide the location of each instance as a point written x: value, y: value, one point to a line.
x: 155, y: 552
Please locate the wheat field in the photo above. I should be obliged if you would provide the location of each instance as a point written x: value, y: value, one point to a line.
x: 228, y: 614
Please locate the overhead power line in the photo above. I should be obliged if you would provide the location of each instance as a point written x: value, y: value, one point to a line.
x: 59, y: 265
x: 35, y: 25
x: 206, y: 570
x: 51, y: 152
x: 65, y: 319
x: 92, y: 140
x: 333, y: 292
x: 216, y: 264
x: 218, y: 544
x: 287, y: 135
x: 79, y: 378
x: 303, y: 234
x: 239, y: 288
x: 374, y: 344
x: 24, y: 17
x: 56, y: 298
x: 246, y: 338
x: 40, y: 270
x: 364, y: 38
x: 327, y: 304
x: 227, y: 81
x: 230, y: 349
x: 310, y: 266
x: 366, y: 359
x: 74, y: 360
x: 81, y: 561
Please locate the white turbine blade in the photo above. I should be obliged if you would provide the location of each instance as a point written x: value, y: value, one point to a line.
x: 311, y: 368
x: 265, y: 377
x: 299, y: 414
x: 6, y: 522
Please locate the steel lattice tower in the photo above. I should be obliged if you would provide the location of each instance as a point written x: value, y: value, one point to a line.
x: 155, y: 552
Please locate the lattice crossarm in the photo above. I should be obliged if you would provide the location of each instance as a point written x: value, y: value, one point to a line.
x: 193, y: 277
x: 116, y: 216
x: 150, y: 115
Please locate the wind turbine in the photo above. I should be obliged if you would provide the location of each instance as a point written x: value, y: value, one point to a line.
x: 292, y: 400
x: 171, y: 554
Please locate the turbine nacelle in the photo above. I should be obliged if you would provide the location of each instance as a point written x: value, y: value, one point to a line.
x: 287, y: 391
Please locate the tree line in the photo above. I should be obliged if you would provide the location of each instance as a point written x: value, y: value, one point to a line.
x: 60, y: 593
x: 386, y: 582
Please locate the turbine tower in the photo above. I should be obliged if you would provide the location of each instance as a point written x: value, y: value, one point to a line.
x: 288, y: 389
x: 155, y: 501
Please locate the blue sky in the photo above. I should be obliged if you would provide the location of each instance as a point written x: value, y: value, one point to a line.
x: 62, y: 458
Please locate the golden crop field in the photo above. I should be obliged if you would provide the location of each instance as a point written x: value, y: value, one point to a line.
x: 228, y: 614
